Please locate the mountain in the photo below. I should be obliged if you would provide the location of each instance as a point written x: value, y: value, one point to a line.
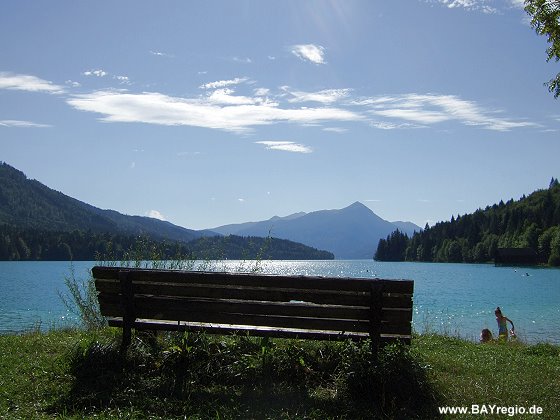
x: 28, y: 204
x: 407, y: 227
x: 350, y: 233
x: 38, y: 223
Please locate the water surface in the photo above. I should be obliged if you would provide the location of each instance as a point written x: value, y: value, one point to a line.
x: 457, y: 299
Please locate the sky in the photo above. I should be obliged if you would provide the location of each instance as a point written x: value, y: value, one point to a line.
x: 205, y: 113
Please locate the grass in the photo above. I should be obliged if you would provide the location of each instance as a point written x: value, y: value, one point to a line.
x: 80, y: 374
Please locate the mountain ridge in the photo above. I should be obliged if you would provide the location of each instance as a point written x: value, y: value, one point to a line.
x: 352, y: 232
x: 29, y: 204
x: 349, y: 233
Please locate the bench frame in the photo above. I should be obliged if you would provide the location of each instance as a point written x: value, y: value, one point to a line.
x: 304, y: 307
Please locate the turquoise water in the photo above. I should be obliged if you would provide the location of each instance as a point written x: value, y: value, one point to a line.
x: 457, y: 299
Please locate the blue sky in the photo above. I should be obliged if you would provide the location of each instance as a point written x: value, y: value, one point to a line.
x: 213, y: 112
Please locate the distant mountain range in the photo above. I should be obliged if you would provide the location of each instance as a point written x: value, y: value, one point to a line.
x: 349, y: 233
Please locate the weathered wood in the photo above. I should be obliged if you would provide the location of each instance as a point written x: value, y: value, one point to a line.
x: 223, y: 329
x: 251, y: 280
x: 127, y: 303
x: 267, y: 305
x: 271, y: 294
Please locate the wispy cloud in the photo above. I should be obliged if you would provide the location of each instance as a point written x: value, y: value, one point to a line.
x: 431, y: 109
x: 95, y: 73
x: 73, y: 83
x: 227, y: 97
x: 156, y: 108
x: 28, y: 83
x: 285, y: 146
x: 338, y: 130
x: 244, y: 60
x: 327, y: 96
x: 309, y: 52
x: 471, y: 5
x: 223, y: 83
x: 123, y: 80
x: 161, y: 54
x: 220, y: 107
x: 22, y: 124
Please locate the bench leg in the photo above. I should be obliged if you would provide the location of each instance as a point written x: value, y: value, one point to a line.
x: 376, y: 309
x: 127, y: 296
x: 126, y: 338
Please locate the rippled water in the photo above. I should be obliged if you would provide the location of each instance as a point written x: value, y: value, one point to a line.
x: 457, y: 299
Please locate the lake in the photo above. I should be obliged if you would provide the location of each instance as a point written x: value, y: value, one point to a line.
x: 456, y: 299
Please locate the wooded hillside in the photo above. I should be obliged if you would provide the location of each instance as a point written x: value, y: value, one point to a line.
x: 531, y: 222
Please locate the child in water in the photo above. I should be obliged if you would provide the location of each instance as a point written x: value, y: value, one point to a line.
x: 502, y: 325
x: 485, y: 335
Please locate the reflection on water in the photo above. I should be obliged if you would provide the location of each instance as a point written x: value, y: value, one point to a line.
x: 457, y: 299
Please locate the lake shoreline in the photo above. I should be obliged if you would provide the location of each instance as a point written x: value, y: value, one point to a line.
x: 454, y: 299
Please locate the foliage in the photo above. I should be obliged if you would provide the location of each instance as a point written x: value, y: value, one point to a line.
x: 78, y: 375
x: 237, y: 376
x: 81, y: 300
x: 240, y: 248
x: 531, y: 222
x: 32, y: 245
x: 545, y: 19
x: 393, y: 248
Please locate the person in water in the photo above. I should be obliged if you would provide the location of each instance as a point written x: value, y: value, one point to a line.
x: 502, y: 325
x: 485, y: 335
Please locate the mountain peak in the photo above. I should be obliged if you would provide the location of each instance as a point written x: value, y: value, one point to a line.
x: 357, y: 205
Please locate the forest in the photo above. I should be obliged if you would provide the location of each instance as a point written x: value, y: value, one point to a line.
x: 18, y: 244
x: 531, y: 222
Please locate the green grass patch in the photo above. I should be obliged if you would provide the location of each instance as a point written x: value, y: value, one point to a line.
x: 77, y: 374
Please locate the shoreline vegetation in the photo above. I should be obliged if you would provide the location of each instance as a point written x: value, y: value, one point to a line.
x: 80, y: 374
x: 532, y: 223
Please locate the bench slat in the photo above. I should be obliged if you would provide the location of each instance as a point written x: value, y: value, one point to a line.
x: 162, y: 305
x: 248, y: 293
x: 279, y: 332
x: 360, y: 326
x: 254, y: 280
x: 254, y: 331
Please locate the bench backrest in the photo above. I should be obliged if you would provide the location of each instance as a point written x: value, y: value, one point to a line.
x: 279, y: 306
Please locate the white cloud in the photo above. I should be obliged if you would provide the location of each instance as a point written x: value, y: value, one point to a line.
x: 244, y: 60
x: 309, y: 52
x: 327, y: 96
x: 226, y: 97
x: 156, y: 108
x: 383, y: 125
x: 72, y: 83
x: 161, y: 54
x: 223, y: 83
x: 286, y: 146
x: 124, y: 80
x: 261, y: 91
x: 28, y: 83
x: 22, y: 124
x: 471, y: 5
x: 431, y: 109
x: 336, y: 129
x: 96, y: 73
x: 154, y: 214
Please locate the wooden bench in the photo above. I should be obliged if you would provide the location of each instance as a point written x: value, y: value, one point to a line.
x: 303, y: 307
